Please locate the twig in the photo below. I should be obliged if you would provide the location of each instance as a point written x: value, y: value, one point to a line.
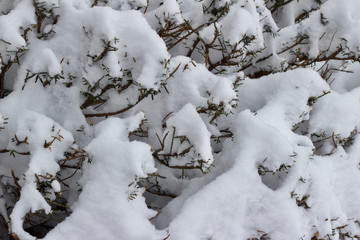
x: 95, y: 3
x: 13, y: 151
x: 116, y: 112
x: 15, y: 179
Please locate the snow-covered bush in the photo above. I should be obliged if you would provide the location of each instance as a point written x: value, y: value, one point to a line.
x: 179, y: 119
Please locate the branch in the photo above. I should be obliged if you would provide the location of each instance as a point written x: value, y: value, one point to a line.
x: 40, y: 16
x: 162, y: 194
x: 15, y: 179
x: 3, y: 71
x: 95, y: 3
x: 175, y: 167
x: 115, y: 113
x: 275, y: 7
x: 14, y: 151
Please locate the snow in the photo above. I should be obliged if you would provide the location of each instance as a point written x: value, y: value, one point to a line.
x: 245, y: 19
x: 343, y: 109
x: 52, y: 64
x: 169, y: 10
x: 115, y: 163
x: 241, y: 209
x: 255, y: 134
x: 10, y: 25
x: 187, y: 122
x: 38, y: 130
x: 56, y: 186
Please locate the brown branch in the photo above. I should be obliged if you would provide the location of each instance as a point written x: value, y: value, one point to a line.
x: 89, y: 103
x: 40, y: 16
x: 162, y: 194
x: 186, y: 36
x: 15, y: 179
x: 68, y: 166
x: 147, y: 5
x: 193, y: 47
x: 175, y: 166
x: 301, y: 17
x: 167, y: 236
x: 57, y: 204
x: 156, y: 215
x: 3, y: 71
x: 77, y: 168
x: 187, y: 150
x: 277, y: 6
x: 7, y: 150
x: 116, y: 112
x: 173, y: 72
x: 225, y: 60
x: 95, y: 3
x: 126, y: 86
x: 107, y: 49
x: 229, y: 135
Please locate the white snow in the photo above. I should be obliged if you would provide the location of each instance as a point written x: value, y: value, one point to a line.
x: 115, y: 163
x: 187, y: 122
x: 255, y: 132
